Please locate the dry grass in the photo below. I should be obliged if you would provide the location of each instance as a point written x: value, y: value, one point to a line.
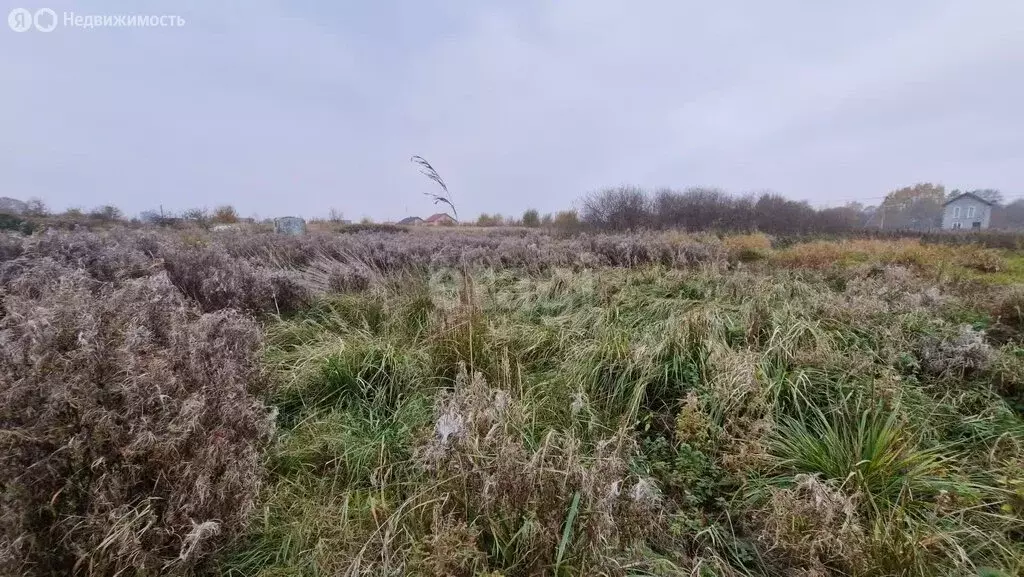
x: 748, y: 247
x: 932, y: 258
x: 506, y: 403
x: 131, y: 438
x: 812, y: 526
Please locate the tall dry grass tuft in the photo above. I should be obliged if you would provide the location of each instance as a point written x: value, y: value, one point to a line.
x: 812, y: 527
x: 131, y: 441
x: 492, y: 500
x: 748, y: 247
x: 964, y: 354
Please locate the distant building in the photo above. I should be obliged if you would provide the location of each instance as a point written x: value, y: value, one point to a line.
x: 12, y: 206
x: 439, y: 219
x: 966, y: 212
x: 411, y: 221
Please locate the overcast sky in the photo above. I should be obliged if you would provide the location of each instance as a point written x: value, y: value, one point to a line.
x: 302, y: 106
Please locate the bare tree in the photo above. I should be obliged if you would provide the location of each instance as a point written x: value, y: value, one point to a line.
x: 36, y: 207
x: 917, y: 207
x: 695, y: 209
x: 622, y: 208
x: 776, y: 214
x: 990, y: 194
x: 195, y: 214
x: 1010, y: 216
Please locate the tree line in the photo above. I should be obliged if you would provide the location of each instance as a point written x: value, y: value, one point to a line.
x: 913, y: 208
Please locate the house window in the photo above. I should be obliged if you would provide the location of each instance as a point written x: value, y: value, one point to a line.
x: 956, y: 225
x: 970, y: 212
x: 956, y: 212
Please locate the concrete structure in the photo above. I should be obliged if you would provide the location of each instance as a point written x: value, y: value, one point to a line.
x: 411, y: 221
x: 292, y: 225
x: 233, y: 227
x: 966, y: 212
x: 440, y: 219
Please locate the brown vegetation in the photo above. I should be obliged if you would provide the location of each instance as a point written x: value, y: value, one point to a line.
x: 511, y: 402
x: 132, y: 437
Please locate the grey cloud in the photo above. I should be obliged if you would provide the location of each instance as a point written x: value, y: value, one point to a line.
x: 281, y: 108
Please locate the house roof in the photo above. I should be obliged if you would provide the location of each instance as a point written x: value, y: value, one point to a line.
x: 410, y: 220
x: 971, y: 195
x: 439, y: 217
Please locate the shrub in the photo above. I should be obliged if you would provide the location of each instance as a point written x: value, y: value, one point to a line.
x: 488, y: 220
x: 531, y: 218
x: 106, y: 213
x: 225, y: 214
x: 131, y: 442
x: 15, y: 224
x: 566, y: 222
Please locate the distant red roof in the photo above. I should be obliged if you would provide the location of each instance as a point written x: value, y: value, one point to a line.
x: 438, y: 217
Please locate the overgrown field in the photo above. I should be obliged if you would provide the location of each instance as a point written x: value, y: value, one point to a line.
x: 468, y: 403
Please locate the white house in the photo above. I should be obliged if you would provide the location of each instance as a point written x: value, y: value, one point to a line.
x: 966, y: 212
